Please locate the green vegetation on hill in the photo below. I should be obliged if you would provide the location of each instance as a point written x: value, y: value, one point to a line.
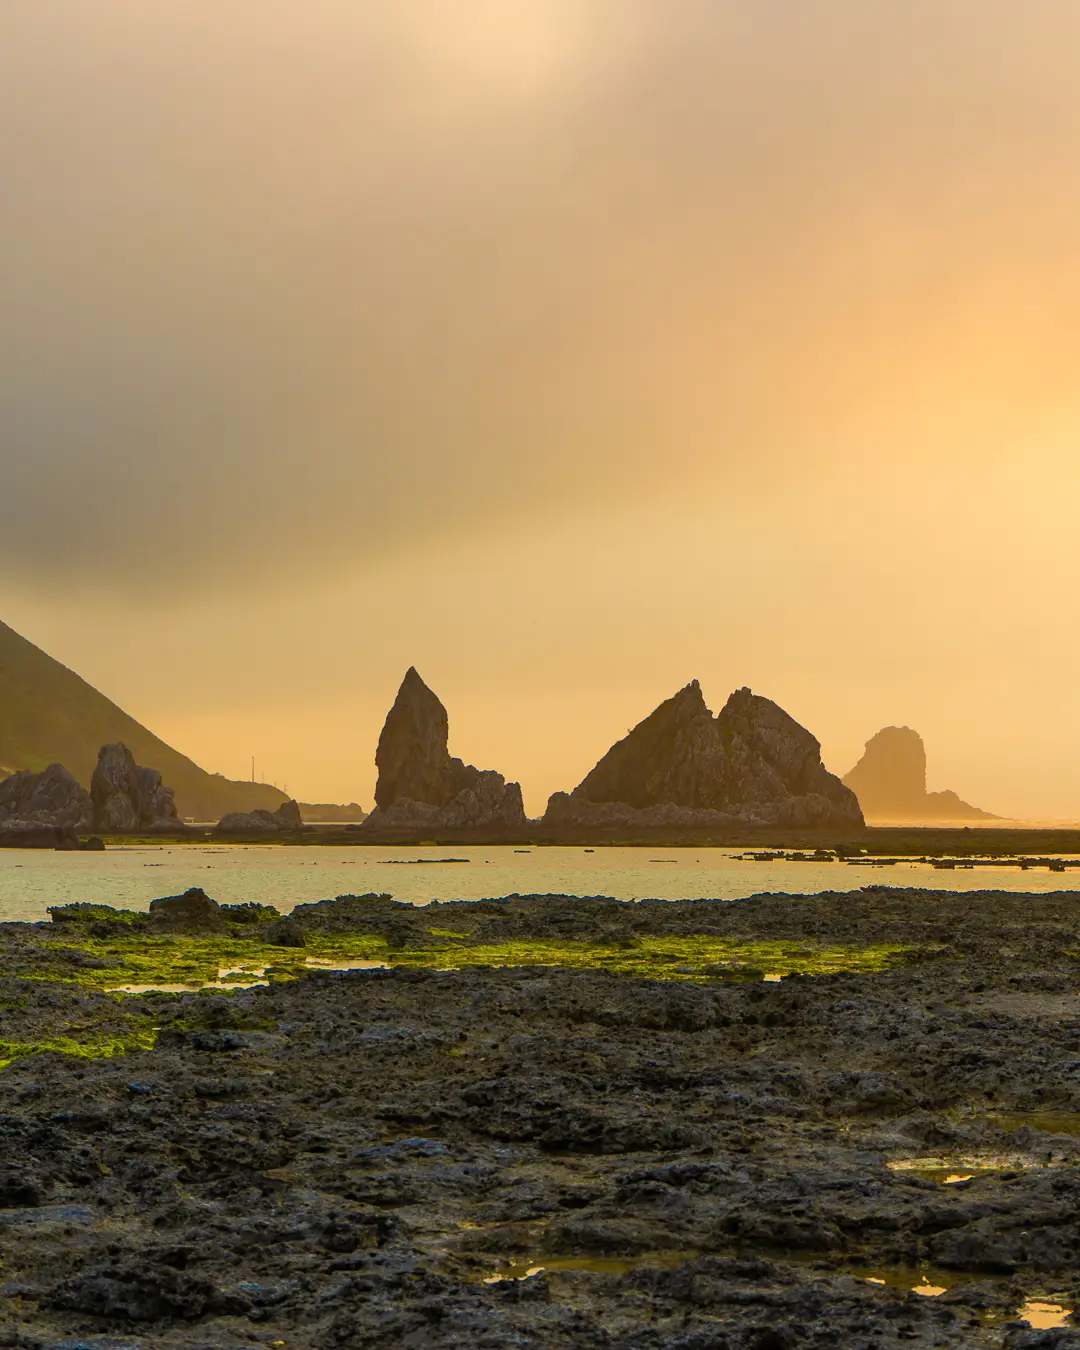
x: 49, y: 714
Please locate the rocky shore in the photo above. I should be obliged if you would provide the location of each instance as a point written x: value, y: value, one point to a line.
x: 881, y: 1148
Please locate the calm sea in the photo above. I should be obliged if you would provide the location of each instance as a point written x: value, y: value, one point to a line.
x: 32, y: 880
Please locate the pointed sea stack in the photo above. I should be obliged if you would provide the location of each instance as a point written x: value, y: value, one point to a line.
x: 890, y: 782
x: 752, y: 764
x: 421, y: 786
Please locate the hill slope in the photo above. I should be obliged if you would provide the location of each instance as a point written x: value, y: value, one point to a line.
x: 48, y: 713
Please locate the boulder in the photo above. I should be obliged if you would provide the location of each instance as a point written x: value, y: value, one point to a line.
x: 422, y: 786
x: 127, y: 796
x: 684, y: 768
x: 52, y: 797
x: 285, y: 820
x: 890, y: 782
x: 192, y: 912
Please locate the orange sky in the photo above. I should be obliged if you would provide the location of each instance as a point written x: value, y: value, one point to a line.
x: 568, y: 349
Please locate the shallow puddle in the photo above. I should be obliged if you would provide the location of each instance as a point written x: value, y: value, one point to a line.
x: 318, y: 963
x: 241, y: 977
x: 527, y: 1267
x: 932, y: 1281
x: 1046, y: 1122
x: 1044, y: 1316
x: 953, y: 1171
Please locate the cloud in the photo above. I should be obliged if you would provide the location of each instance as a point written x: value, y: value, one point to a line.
x: 294, y: 287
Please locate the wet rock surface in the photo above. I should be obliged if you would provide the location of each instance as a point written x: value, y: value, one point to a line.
x: 379, y: 1158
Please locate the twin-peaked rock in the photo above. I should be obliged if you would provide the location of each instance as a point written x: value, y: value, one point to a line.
x: 421, y: 785
x: 681, y: 766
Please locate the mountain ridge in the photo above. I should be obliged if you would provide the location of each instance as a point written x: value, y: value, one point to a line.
x: 50, y: 714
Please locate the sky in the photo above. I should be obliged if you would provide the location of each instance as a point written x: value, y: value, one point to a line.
x: 566, y: 349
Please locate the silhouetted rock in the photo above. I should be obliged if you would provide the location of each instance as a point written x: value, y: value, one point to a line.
x: 890, y: 781
x: 681, y: 766
x: 285, y: 820
x: 52, y: 797
x: 192, y: 912
x: 421, y: 785
x: 127, y: 796
x: 49, y: 714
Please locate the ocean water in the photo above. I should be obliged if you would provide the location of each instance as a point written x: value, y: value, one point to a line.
x: 33, y: 879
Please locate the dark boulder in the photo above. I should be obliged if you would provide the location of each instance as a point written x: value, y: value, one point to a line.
x: 192, y: 912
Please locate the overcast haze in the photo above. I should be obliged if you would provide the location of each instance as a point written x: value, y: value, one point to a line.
x: 567, y: 348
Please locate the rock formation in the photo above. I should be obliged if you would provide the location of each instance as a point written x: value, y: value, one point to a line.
x: 890, y: 782
x: 421, y: 785
x: 285, y: 820
x: 192, y: 912
x: 683, y: 767
x: 127, y: 796
x: 52, y: 797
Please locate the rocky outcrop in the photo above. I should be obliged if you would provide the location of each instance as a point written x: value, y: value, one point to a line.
x: 127, y: 796
x: 285, y: 820
x: 422, y: 786
x: 890, y: 782
x: 751, y: 764
x: 52, y: 797
x: 192, y: 912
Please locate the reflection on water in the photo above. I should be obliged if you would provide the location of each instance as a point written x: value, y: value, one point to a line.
x: 1046, y: 1122
x: 1045, y: 1316
x: 241, y: 977
x: 953, y: 1170
x: 925, y: 1280
x: 527, y: 1267
x: 33, y: 879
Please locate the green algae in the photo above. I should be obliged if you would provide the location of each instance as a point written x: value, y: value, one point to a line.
x: 141, y: 959
x: 95, y: 1045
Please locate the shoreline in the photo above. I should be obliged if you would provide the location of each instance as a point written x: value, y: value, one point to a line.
x: 592, y: 1156
x: 879, y: 841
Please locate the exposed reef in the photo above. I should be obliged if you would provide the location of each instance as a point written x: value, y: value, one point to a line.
x: 750, y: 764
x: 890, y: 782
x: 422, y: 787
x: 881, y: 1150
